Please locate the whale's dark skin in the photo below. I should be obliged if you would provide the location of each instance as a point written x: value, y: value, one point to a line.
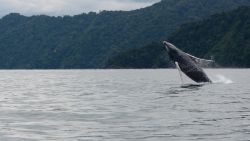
x: 187, y: 63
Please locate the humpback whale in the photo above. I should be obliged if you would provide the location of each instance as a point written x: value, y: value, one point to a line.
x: 188, y: 64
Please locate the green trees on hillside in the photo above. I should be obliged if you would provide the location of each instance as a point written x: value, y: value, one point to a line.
x: 224, y: 36
x: 89, y: 40
x: 153, y: 55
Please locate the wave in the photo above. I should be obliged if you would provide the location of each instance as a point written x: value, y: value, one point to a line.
x: 222, y: 79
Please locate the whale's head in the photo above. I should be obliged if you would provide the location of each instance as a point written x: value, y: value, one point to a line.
x: 169, y: 47
x: 173, y: 51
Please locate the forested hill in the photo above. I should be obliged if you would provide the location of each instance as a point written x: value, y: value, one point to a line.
x: 88, y: 40
x: 153, y: 55
x: 224, y: 36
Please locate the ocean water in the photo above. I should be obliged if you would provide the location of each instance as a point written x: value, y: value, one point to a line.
x: 123, y: 105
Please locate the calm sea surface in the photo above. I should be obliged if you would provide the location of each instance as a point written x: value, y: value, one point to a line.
x: 121, y: 105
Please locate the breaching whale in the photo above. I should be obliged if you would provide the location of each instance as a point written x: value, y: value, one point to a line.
x: 187, y: 63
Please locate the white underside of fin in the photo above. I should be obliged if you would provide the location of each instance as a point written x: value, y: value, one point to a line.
x: 179, y: 69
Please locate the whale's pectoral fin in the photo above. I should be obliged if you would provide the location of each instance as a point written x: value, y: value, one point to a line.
x: 179, y: 69
x: 201, y: 62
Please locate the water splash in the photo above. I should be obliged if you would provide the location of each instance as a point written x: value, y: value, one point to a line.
x: 222, y: 79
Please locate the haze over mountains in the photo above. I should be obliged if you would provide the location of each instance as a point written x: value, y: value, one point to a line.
x: 68, y: 7
x: 90, y: 40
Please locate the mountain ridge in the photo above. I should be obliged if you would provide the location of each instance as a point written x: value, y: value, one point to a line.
x: 88, y: 40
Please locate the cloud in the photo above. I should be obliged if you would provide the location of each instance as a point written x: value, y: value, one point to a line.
x: 68, y: 7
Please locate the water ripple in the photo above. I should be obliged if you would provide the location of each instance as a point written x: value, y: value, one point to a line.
x: 121, y: 105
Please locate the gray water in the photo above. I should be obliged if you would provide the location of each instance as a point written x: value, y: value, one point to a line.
x: 121, y: 105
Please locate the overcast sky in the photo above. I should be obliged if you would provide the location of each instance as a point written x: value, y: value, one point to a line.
x: 68, y: 7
